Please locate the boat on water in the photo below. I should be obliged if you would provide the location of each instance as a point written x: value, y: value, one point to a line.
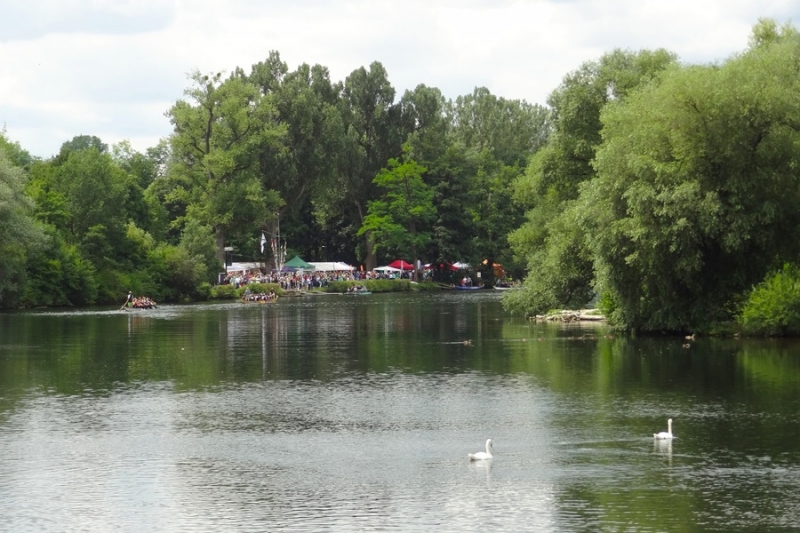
x: 357, y: 289
x: 504, y: 286
x: 468, y: 287
x: 259, y: 297
x: 133, y: 303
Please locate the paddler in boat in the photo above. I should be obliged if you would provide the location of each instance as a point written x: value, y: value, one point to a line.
x: 128, y: 300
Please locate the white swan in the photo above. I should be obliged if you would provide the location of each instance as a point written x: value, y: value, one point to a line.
x: 665, y: 434
x: 481, y: 456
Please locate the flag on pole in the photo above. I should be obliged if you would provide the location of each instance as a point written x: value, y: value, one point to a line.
x: 263, y: 241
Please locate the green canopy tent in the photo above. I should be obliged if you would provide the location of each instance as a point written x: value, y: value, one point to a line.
x: 295, y: 263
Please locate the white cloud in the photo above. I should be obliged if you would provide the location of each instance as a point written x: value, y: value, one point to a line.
x: 111, y: 68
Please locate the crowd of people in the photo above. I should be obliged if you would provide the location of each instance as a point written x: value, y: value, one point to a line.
x: 300, y: 280
x: 259, y: 297
x: 139, y: 302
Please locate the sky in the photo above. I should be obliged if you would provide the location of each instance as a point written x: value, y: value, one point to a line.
x: 112, y: 68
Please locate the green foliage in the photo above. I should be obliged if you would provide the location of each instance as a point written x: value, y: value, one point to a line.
x: 20, y: 236
x: 767, y: 32
x: 217, y: 131
x: 258, y: 288
x: 13, y: 152
x: 85, y: 194
x: 223, y: 292
x: 552, y: 241
x: 773, y: 306
x: 198, y: 242
x: 373, y: 285
x: 302, y: 162
x: 562, y: 266
x: 398, y: 220
x: 59, y: 276
x: 175, y: 274
x: 509, y: 130
x: 229, y: 292
x: 697, y: 193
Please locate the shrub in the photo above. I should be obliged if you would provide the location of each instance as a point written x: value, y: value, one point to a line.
x: 372, y: 285
x: 773, y: 306
x: 257, y: 288
x: 223, y: 292
x: 203, y: 291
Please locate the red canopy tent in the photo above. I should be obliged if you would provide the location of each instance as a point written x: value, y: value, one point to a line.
x: 402, y: 265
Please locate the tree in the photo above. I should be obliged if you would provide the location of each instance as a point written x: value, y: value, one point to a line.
x: 216, y: 134
x: 79, y: 143
x: 499, y: 136
x: 511, y: 130
x: 15, y: 154
x: 697, y: 194
x: 555, y: 176
x: 95, y: 195
x: 20, y: 236
x: 302, y: 164
x: 372, y: 137
x: 398, y: 219
x: 142, y: 170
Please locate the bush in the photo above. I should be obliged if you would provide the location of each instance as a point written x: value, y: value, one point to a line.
x: 773, y: 306
x: 223, y: 292
x: 256, y: 288
x: 427, y: 286
x: 372, y: 285
x: 229, y: 292
x: 203, y: 291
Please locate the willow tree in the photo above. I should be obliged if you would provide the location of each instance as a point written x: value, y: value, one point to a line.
x: 697, y: 194
x: 19, y: 234
x: 551, y: 241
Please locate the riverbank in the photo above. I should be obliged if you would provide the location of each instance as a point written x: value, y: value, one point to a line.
x: 230, y: 292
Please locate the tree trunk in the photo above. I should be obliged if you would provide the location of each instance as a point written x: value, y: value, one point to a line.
x: 220, y: 239
x: 370, y: 261
x: 270, y: 229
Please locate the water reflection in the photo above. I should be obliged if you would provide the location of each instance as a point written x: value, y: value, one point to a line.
x: 342, y: 414
x: 664, y: 448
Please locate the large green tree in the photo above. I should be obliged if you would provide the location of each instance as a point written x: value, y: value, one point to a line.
x: 372, y: 136
x: 217, y: 130
x: 498, y: 136
x: 697, y: 195
x: 399, y: 220
x: 551, y: 241
x: 19, y: 233
x: 301, y: 165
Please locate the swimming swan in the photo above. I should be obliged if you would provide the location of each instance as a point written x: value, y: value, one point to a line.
x: 480, y: 456
x: 665, y: 434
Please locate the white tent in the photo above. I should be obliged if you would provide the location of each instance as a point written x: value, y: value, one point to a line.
x: 459, y: 265
x: 242, y: 268
x: 387, y: 269
x: 331, y: 266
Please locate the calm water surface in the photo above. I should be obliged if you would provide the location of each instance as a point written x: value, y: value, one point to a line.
x: 356, y: 413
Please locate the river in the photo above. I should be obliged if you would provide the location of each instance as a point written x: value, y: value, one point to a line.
x: 356, y: 413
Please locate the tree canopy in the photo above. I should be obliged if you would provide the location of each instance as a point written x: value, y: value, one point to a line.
x: 664, y: 192
x: 678, y: 191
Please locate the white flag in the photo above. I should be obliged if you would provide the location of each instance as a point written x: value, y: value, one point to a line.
x: 263, y: 242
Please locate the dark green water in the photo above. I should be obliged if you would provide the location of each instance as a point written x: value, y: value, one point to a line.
x: 353, y: 413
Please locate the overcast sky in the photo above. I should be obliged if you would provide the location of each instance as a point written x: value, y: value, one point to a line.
x: 111, y: 68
